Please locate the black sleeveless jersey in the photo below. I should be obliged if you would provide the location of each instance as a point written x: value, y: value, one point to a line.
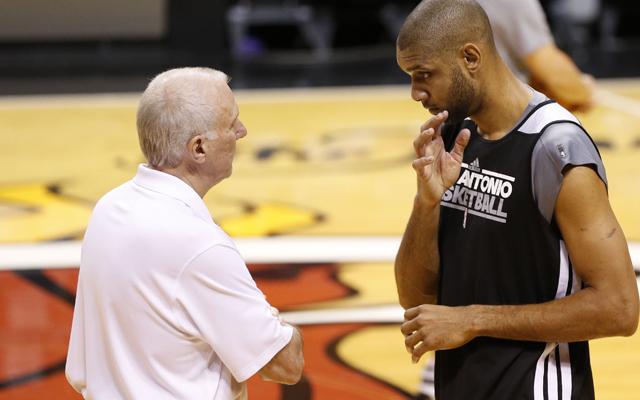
x: 496, y: 248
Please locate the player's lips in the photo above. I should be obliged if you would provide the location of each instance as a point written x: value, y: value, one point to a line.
x: 434, y: 110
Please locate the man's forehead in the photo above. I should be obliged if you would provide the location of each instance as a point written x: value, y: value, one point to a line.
x: 415, y: 58
x: 222, y: 92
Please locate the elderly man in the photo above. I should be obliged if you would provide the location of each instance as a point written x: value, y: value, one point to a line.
x: 166, y: 308
x: 512, y: 258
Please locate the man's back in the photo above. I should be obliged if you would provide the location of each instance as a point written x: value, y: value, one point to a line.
x: 149, y: 302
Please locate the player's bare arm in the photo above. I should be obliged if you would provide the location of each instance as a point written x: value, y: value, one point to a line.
x: 417, y: 262
x: 607, y: 306
x: 553, y: 72
x: 286, y: 366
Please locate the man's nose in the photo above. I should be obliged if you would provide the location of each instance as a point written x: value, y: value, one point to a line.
x: 418, y: 94
x: 242, y: 132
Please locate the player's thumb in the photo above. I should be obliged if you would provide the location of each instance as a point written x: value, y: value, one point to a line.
x: 461, y: 143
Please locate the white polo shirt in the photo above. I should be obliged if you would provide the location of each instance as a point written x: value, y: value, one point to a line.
x: 165, y: 308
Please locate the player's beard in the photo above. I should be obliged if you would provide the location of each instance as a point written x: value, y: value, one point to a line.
x: 461, y: 95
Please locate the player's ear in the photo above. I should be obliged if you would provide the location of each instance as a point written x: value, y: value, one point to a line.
x: 195, y: 149
x: 471, y: 57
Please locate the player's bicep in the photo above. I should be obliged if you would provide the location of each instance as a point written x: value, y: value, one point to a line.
x: 594, y: 238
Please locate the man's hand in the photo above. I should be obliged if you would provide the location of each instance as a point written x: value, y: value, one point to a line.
x: 276, y: 313
x: 437, y: 170
x: 430, y: 327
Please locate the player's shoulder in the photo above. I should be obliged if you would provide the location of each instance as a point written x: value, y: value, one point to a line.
x: 544, y: 115
x: 566, y: 142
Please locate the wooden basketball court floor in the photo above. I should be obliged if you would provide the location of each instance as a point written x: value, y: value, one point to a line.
x: 321, y: 191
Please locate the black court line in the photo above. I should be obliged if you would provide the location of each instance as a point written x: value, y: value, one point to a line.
x: 37, y: 277
x: 34, y: 376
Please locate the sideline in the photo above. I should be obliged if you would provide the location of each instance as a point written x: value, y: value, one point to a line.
x: 269, y: 250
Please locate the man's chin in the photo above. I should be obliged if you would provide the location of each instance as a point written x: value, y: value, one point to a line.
x: 455, y: 118
x: 455, y: 121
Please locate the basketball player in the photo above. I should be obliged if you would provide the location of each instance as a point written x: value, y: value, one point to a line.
x: 166, y: 308
x: 512, y: 258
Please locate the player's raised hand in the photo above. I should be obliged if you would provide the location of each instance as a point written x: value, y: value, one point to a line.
x: 437, y: 169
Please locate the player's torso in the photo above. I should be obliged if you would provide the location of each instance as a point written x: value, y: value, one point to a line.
x: 495, y: 246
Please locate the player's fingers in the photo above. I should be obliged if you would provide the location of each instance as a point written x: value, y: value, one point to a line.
x: 409, y: 327
x: 419, y: 351
x: 419, y: 165
x: 441, y: 118
x: 435, y: 121
x: 431, y: 123
x: 411, y: 341
x: 461, y: 143
x: 275, y: 312
x: 422, y: 162
x: 422, y: 140
x: 411, y: 313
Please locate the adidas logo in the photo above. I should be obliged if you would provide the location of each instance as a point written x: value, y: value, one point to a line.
x: 475, y: 166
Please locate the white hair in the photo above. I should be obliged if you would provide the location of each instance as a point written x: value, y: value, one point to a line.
x: 176, y: 106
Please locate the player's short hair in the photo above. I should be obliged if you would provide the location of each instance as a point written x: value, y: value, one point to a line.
x: 441, y: 26
x: 177, y: 105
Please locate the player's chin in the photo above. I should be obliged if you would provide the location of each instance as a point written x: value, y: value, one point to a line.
x: 455, y: 118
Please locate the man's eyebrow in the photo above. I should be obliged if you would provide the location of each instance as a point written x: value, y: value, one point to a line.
x: 416, y: 67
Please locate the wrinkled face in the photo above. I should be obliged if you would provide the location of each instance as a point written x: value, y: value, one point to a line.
x: 221, y: 149
x: 439, y: 85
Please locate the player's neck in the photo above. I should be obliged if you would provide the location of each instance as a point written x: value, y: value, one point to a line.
x: 505, y: 100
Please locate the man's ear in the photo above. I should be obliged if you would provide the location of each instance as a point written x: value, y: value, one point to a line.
x: 195, y: 149
x: 471, y: 57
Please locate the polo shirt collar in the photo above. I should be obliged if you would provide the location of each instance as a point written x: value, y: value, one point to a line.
x: 173, y: 186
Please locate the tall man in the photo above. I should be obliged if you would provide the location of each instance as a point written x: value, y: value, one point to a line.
x: 166, y: 308
x: 512, y: 258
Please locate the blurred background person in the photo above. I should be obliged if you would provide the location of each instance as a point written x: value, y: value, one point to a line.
x: 525, y: 43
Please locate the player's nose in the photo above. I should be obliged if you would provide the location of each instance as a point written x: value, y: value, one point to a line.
x: 418, y: 94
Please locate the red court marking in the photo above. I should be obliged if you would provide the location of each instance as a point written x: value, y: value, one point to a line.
x: 329, y: 378
x: 66, y: 278
x: 332, y: 380
x: 34, y: 327
x: 52, y: 387
x: 262, y: 390
x: 294, y: 285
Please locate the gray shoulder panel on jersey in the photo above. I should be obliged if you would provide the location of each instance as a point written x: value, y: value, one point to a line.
x: 562, y: 144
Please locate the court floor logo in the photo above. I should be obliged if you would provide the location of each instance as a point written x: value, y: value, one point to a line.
x: 480, y: 192
x: 361, y: 149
